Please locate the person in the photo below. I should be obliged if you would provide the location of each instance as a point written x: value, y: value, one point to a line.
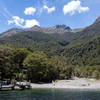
x: 53, y: 82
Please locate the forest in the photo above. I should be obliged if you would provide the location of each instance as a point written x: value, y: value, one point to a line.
x: 21, y: 64
x: 38, y: 56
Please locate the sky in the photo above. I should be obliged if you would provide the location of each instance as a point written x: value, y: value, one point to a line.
x: 46, y: 13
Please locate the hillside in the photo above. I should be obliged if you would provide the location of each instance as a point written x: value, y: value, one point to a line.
x: 88, y: 33
x: 36, y: 38
x: 51, y: 37
x: 49, y: 54
x: 84, y: 54
x: 32, y: 40
x: 80, y: 46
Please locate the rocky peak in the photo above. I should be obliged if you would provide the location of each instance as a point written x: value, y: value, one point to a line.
x: 97, y: 20
x: 64, y: 27
x: 11, y: 32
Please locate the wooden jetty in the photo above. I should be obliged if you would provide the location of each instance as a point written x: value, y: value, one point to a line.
x: 6, y: 87
x: 19, y: 85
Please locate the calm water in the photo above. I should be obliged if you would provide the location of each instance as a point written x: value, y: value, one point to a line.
x: 50, y: 94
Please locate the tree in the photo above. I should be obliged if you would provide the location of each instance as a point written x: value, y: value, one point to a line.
x: 6, y: 62
x: 96, y: 74
x: 39, y: 67
x: 19, y: 55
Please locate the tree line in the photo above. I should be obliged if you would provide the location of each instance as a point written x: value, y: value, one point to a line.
x: 21, y: 64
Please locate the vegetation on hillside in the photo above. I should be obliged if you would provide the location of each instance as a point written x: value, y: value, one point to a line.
x: 84, y: 54
x: 21, y: 64
x: 41, y: 57
x: 38, y: 66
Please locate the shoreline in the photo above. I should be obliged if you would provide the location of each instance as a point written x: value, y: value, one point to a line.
x: 76, y: 83
x: 72, y: 84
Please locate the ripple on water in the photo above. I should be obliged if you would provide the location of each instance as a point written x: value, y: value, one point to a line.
x: 50, y: 94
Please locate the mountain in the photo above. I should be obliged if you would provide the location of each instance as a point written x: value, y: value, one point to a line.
x: 86, y: 34
x: 59, y: 29
x: 10, y: 32
x: 83, y: 54
x: 77, y: 30
x: 34, y: 40
x: 97, y: 21
x: 84, y: 49
x: 51, y: 38
x: 38, y: 38
x: 65, y: 51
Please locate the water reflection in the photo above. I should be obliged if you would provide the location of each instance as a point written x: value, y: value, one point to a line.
x: 50, y: 94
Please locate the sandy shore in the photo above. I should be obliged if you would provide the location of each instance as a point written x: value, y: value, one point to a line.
x: 76, y: 83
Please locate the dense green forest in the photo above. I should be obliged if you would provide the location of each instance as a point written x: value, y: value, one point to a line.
x: 21, y: 64
x: 84, y: 54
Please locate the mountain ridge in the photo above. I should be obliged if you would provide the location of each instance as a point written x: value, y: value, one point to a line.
x: 55, y: 37
x: 60, y: 29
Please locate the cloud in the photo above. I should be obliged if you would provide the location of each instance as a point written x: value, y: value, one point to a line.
x: 16, y: 20
x: 74, y: 6
x: 30, y: 11
x: 31, y: 23
x: 49, y: 10
x: 23, y: 23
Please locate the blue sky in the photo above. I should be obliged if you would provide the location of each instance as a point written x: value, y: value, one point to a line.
x: 45, y: 13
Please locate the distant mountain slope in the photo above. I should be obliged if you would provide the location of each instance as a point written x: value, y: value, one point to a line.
x: 59, y: 29
x: 84, y: 54
x: 34, y: 41
x: 51, y: 38
x: 88, y: 33
x: 10, y: 32
x: 37, y: 38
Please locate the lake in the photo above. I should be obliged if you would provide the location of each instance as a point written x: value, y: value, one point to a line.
x: 50, y: 94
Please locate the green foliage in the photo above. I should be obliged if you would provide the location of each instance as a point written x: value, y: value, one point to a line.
x: 11, y: 60
x: 87, y: 72
x: 64, y: 70
x: 20, y: 64
x: 39, y: 67
x: 34, y: 41
x: 56, y: 56
x: 6, y: 62
x: 96, y: 74
x: 84, y: 54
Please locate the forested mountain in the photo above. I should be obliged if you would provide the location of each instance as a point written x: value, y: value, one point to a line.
x: 51, y: 37
x: 35, y: 41
x: 58, y: 51
x: 36, y: 38
x: 88, y: 33
x: 84, y: 54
